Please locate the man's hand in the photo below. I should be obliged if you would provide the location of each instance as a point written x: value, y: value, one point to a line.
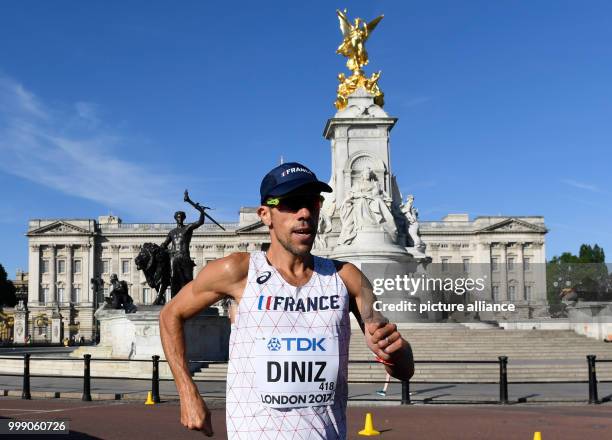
x: 195, y: 414
x: 386, y: 342
x: 383, y: 339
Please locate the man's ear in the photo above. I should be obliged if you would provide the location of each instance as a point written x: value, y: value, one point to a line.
x: 265, y: 215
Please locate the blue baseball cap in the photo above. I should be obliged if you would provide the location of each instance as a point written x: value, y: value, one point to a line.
x: 287, y: 178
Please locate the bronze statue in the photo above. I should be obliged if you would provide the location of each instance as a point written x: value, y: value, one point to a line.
x: 119, y: 297
x: 181, y: 264
x: 172, y: 267
x: 154, y: 261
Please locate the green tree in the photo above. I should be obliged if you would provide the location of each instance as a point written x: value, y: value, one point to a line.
x: 7, y: 290
x: 586, y: 273
x: 590, y: 254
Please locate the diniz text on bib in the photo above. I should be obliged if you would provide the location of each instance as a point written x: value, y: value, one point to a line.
x: 296, y: 369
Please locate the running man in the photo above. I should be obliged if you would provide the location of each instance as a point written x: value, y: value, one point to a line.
x: 288, y: 354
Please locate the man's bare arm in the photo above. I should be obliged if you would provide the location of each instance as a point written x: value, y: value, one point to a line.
x: 381, y: 336
x: 220, y: 278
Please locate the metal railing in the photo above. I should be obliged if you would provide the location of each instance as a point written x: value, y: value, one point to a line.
x: 502, y: 362
x: 593, y: 395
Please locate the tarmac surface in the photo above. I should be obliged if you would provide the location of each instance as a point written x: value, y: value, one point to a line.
x: 123, y: 420
x: 440, y: 410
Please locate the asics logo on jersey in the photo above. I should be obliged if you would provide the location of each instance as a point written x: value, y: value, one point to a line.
x: 265, y: 276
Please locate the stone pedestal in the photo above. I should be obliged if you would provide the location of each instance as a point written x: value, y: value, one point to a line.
x: 57, y: 329
x: 136, y: 335
x: 372, y: 245
x: 366, y: 202
x: 21, y: 326
x: 592, y: 319
x: 359, y: 136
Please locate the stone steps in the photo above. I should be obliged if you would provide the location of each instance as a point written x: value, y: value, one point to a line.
x: 534, y: 355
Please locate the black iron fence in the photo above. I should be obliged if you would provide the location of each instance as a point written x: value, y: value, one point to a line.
x: 502, y: 362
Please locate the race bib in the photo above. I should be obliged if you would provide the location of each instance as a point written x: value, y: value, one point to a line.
x: 296, y: 369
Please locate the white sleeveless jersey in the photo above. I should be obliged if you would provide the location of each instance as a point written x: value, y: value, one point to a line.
x: 285, y: 346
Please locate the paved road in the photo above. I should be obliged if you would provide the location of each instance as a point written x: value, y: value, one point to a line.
x: 122, y: 420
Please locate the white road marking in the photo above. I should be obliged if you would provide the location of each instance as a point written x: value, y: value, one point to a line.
x: 41, y: 411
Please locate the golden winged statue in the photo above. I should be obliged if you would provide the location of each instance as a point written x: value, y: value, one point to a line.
x: 353, y: 47
x: 355, y: 36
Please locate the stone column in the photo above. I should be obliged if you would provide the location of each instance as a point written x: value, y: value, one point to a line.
x: 483, y: 262
x: 34, y: 275
x: 200, y: 258
x: 538, y: 291
x: 521, y: 278
x: 69, y: 275
x: 53, y: 277
x: 116, y: 260
x: 85, y: 274
x: 136, y: 293
x: 503, y: 270
x: 91, y: 257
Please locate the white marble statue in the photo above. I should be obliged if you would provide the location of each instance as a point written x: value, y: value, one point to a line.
x: 366, y: 205
x: 412, y: 222
x: 323, y: 228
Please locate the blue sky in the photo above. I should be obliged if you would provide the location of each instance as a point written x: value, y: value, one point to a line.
x: 504, y: 107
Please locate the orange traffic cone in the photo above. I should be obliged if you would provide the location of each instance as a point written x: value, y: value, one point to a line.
x: 368, y: 429
x: 537, y: 435
x: 149, y: 400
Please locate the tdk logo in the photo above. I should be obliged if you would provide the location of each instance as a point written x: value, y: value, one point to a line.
x: 274, y: 344
x: 296, y: 344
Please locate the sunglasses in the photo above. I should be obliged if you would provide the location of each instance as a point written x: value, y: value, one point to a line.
x: 295, y: 202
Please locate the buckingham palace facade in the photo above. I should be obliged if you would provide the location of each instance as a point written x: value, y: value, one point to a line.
x: 66, y: 254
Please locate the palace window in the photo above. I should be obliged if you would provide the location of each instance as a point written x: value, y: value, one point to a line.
x: 512, y: 293
x: 494, y: 263
x: 510, y: 263
x: 445, y: 262
x: 77, y: 266
x: 61, y: 266
x: 526, y: 263
x: 146, y: 292
x: 125, y: 266
x: 45, y: 266
x: 466, y: 265
x: 105, y: 266
x: 527, y: 292
x: 495, y: 293
x: 60, y: 294
x: 43, y: 294
x: 75, y: 295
